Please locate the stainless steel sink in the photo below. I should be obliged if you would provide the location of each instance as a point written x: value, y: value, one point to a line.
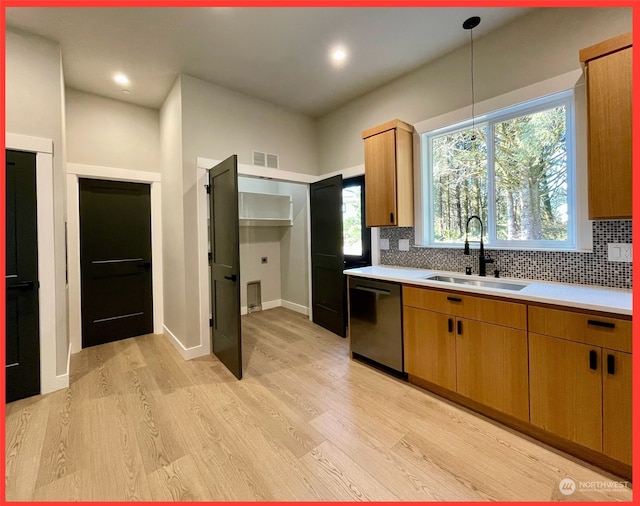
x: 488, y: 283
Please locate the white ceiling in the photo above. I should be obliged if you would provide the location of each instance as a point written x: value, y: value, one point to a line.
x: 276, y: 54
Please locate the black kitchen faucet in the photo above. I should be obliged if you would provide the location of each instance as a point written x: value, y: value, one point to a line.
x: 484, y: 260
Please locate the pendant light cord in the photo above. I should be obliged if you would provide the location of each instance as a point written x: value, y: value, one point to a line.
x: 473, y: 96
x: 470, y: 24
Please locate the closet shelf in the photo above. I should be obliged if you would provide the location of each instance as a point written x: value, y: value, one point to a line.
x: 264, y: 210
x: 265, y: 222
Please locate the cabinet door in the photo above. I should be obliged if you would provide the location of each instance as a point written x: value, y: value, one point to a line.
x: 566, y: 393
x: 609, y: 99
x: 492, y: 366
x: 616, y: 409
x: 429, y: 346
x: 380, y: 177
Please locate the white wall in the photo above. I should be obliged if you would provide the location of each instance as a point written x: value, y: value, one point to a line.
x: 285, y: 276
x: 258, y: 242
x: 172, y: 214
x: 110, y: 133
x: 537, y: 46
x: 34, y: 98
x: 217, y: 123
x: 255, y: 243
x: 294, y: 248
x: 220, y: 123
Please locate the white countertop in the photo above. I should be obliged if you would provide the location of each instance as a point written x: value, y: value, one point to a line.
x: 609, y: 300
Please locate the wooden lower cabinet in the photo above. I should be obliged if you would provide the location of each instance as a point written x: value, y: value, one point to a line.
x: 582, y: 393
x: 492, y: 366
x: 616, y: 405
x: 430, y: 346
x: 484, y: 362
x: 566, y: 393
x: 561, y: 375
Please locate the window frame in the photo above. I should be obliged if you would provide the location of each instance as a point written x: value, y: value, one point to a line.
x: 564, y: 98
x: 363, y: 260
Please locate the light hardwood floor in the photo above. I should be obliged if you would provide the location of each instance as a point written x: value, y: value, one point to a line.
x: 305, y: 424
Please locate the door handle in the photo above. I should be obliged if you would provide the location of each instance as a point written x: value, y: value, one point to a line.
x: 25, y: 285
x: 233, y: 277
x: 459, y: 327
x: 593, y: 360
x: 611, y: 364
x: 450, y: 325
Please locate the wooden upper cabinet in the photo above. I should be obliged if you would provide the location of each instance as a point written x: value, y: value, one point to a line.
x: 608, y: 69
x: 388, y: 165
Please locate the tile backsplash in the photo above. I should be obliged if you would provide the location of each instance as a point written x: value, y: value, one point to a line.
x: 567, y: 267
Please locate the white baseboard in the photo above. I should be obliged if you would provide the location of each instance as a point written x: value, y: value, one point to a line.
x: 271, y: 304
x: 265, y: 305
x: 187, y: 353
x: 61, y: 381
x: 298, y: 308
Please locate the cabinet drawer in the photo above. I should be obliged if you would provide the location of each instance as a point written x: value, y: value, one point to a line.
x: 508, y: 314
x: 612, y: 333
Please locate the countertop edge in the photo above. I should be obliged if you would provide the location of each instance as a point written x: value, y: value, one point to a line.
x: 519, y: 296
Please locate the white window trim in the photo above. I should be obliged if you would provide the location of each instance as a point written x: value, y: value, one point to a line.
x: 570, y: 81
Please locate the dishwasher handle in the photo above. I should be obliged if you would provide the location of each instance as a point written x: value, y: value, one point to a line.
x: 372, y: 290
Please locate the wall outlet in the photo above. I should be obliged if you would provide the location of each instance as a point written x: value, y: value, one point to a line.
x: 264, y: 260
x: 619, y: 252
x: 403, y: 244
x: 384, y: 244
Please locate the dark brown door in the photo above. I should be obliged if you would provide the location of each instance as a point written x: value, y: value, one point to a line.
x: 22, y: 334
x: 327, y: 259
x: 225, y: 264
x: 115, y: 257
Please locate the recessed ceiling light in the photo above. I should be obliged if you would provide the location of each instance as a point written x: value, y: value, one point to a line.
x: 338, y: 56
x: 121, y: 79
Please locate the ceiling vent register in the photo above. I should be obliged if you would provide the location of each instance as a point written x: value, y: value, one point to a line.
x: 268, y: 160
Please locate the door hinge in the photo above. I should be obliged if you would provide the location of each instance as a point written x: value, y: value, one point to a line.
x: 210, y: 256
x: 208, y: 187
x: 211, y: 322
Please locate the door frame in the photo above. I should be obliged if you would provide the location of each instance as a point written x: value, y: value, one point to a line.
x: 74, y: 172
x: 43, y: 148
x: 202, y: 164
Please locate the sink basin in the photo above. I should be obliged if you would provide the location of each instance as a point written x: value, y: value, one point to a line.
x: 488, y: 283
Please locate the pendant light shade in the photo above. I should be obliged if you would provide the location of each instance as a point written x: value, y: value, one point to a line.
x: 470, y: 24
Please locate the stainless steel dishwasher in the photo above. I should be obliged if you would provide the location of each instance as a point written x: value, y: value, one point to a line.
x: 375, y: 321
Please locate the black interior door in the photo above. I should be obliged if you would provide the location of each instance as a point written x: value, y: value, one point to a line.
x: 327, y: 259
x: 22, y: 334
x: 225, y: 264
x: 115, y: 257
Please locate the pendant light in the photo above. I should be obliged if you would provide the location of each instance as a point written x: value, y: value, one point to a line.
x: 470, y: 24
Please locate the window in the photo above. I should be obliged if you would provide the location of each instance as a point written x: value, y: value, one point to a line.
x: 356, y: 237
x: 514, y: 169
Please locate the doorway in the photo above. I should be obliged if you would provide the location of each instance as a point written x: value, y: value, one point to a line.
x: 22, y: 314
x: 115, y: 258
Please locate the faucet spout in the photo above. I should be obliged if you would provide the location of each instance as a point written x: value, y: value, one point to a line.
x: 484, y: 260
